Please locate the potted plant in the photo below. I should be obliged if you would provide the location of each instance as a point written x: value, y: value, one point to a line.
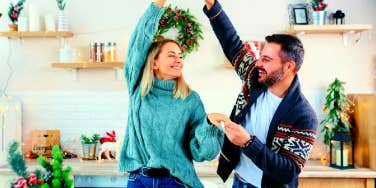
x: 62, y: 24
x: 13, y: 13
x: 89, y: 146
x: 319, y: 13
x: 337, y: 108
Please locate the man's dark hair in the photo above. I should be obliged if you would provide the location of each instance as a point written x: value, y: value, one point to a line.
x: 291, y: 48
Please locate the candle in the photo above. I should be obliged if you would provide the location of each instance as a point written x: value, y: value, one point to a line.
x: 345, y: 154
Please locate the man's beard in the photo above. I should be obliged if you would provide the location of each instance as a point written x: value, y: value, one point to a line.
x: 273, y: 77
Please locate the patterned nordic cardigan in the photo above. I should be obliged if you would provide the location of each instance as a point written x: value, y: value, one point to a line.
x: 293, y: 127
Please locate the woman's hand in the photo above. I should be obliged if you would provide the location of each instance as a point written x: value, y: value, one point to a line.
x: 160, y: 3
x: 216, y: 118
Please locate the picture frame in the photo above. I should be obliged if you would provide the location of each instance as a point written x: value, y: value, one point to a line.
x: 300, y: 14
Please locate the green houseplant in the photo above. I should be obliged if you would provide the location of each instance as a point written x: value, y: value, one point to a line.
x: 61, y: 4
x: 337, y: 108
x: 62, y: 20
x: 14, y: 12
x: 319, y: 14
x: 89, y: 146
x: 93, y: 140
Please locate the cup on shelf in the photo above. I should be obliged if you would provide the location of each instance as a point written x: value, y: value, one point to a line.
x: 67, y: 54
x: 23, y: 24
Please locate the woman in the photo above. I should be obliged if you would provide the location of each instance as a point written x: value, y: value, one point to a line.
x: 167, y: 124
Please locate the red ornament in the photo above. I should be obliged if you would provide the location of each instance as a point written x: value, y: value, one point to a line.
x: 176, y: 18
x: 188, y: 42
x: 16, y: 8
x: 33, y: 179
x: 41, y: 182
x: 178, y: 12
x: 20, y: 183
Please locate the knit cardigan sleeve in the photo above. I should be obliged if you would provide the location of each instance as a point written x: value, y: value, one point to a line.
x: 229, y: 39
x: 206, y: 140
x: 139, y: 44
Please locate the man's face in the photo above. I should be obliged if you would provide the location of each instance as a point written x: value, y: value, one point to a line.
x: 270, y: 67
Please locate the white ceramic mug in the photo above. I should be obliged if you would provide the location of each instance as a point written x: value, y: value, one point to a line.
x: 23, y: 24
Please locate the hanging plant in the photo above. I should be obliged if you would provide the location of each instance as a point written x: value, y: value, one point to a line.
x: 189, y: 30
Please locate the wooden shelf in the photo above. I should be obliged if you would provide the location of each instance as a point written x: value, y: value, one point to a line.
x: 75, y: 66
x: 88, y: 65
x: 38, y: 34
x: 327, y: 29
x: 228, y: 65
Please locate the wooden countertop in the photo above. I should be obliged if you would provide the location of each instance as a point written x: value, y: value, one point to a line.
x: 313, y: 169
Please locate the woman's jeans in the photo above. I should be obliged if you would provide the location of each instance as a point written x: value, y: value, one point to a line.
x: 136, y: 180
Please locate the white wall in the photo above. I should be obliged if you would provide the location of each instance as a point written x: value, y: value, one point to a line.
x: 96, y: 102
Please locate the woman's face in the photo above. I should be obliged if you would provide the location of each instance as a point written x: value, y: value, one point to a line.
x: 169, y: 64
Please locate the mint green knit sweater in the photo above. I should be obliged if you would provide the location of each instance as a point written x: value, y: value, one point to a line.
x: 162, y: 131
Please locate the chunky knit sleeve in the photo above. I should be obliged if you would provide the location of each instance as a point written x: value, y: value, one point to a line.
x: 139, y: 44
x: 206, y: 140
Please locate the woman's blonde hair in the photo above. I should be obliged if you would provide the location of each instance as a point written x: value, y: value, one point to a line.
x: 181, y: 89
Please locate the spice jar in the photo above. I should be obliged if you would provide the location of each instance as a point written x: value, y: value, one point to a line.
x: 99, y: 52
x: 110, y: 52
x: 93, y: 51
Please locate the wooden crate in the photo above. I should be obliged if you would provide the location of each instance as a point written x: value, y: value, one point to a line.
x: 364, y: 115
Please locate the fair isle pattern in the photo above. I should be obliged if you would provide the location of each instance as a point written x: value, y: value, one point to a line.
x: 295, y: 143
x: 243, y: 63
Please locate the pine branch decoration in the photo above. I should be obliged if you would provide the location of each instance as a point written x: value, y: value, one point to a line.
x: 16, y: 160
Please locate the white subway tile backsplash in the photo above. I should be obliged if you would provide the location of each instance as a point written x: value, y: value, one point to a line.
x: 73, y: 113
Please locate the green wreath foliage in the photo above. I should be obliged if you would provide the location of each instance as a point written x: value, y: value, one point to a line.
x: 189, y: 30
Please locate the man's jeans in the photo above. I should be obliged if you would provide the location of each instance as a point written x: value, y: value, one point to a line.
x: 238, y: 183
x: 136, y: 180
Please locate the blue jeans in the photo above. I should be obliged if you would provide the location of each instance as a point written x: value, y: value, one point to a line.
x: 238, y: 183
x: 136, y: 180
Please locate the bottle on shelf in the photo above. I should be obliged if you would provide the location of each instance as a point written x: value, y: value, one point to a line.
x: 93, y: 51
x: 110, y: 52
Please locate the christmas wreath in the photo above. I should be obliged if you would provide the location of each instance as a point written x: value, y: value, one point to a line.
x: 189, y: 30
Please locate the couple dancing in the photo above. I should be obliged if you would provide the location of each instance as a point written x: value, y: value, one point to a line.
x: 267, y: 137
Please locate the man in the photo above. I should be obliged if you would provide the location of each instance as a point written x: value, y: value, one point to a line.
x: 272, y: 127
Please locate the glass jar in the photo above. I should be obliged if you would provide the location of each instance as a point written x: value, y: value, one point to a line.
x: 93, y: 51
x: 110, y: 52
x: 99, y: 52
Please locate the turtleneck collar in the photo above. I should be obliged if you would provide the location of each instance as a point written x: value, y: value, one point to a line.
x: 167, y: 85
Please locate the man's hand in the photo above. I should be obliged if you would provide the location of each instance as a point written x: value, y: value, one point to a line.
x: 216, y: 118
x: 160, y: 3
x: 236, y: 133
x: 209, y: 3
